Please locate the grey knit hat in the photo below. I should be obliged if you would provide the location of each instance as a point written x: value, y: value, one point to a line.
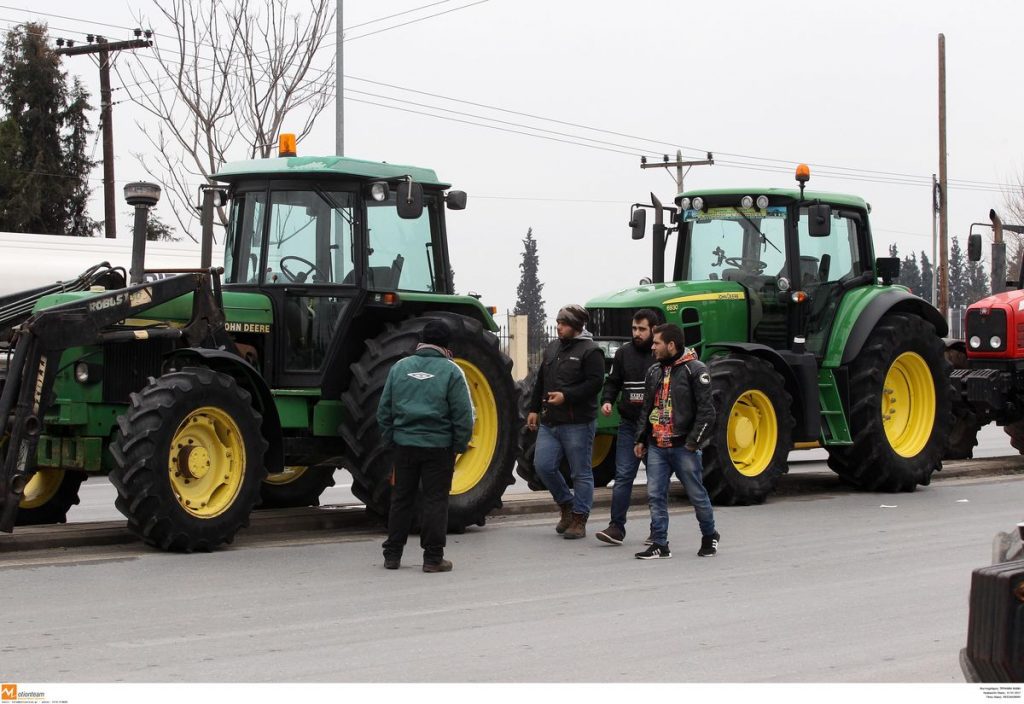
x: 573, y: 315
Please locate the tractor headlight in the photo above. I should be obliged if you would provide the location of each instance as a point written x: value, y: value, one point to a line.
x: 698, y: 203
x: 746, y: 202
x: 379, y: 191
x: 88, y: 373
x: 996, y: 342
x: 82, y: 372
x: 762, y: 202
x: 684, y: 203
x: 975, y: 342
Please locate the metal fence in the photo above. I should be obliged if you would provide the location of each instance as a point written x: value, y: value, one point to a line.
x: 536, y: 351
x: 956, y: 322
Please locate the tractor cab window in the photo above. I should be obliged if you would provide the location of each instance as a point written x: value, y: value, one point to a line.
x: 243, y: 247
x: 401, y: 252
x: 309, y: 238
x: 736, y: 244
x: 826, y: 263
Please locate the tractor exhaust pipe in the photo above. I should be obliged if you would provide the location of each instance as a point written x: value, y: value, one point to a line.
x: 143, y: 196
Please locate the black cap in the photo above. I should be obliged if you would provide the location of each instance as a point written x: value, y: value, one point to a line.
x: 436, y: 332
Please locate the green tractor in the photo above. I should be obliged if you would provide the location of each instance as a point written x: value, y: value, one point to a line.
x: 808, y: 342
x: 203, y: 399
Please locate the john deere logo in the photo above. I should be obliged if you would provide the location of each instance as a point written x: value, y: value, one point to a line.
x: 8, y: 692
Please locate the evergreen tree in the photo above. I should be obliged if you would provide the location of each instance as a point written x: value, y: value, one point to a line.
x: 893, y: 251
x: 927, y: 276
x: 910, y: 274
x: 528, y: 294
x: 44, y: 132
x: 976, y: 283
x: 957, y: 276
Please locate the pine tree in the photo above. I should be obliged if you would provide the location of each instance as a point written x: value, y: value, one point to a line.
x: 976, y: 283
x: 529, y: 301
x: 910, y: 274
x: 957, y: 276
x: 44, y: 133
x: 927, y: 276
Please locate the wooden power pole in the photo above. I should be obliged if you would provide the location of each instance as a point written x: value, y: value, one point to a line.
x: 105, y: 49
x: 943, y: 270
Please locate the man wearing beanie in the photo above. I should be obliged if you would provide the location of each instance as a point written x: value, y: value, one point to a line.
x: 564, y: 401
x: 426, y: 416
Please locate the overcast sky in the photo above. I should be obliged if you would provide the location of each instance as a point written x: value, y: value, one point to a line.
x: 849, y: 87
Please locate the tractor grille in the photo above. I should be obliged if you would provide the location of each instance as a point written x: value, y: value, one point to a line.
x: 611, y: 322
x: 128, y: 366
x: 985, y: 327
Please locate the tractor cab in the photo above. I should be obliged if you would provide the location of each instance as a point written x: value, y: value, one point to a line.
x: 787, y: 254
x: 323, y: 238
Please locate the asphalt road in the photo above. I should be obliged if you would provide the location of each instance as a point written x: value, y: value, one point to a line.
x: 825, y: 587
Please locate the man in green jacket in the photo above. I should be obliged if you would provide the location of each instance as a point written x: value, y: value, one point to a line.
x: 426, y: 416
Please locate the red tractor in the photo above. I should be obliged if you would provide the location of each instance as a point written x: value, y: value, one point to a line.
x: 988, y: 364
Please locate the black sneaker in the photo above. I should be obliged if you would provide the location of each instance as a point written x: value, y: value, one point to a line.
x: 655, y: 552
x: 709, y: 545
x: 649, y: 540
x: 392, y: 563
x: 612, y: 534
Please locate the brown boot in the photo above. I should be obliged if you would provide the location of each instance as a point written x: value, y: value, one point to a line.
x: 566, y: 520
x: 577, y: 527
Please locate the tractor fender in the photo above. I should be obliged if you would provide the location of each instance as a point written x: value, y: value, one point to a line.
x: 252, y: 381
x: 800, y: 373
x: 892, y: 300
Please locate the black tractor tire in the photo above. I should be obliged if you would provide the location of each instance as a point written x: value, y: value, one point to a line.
x: 57, y: 493
x: 963, y: 437
x: 602, y: 459
x: 485, y: 470
x: 197, y: 410
x: 1015, y: 431
x: 872, y: 462
x: 296, y: 487
x: 753, y: 432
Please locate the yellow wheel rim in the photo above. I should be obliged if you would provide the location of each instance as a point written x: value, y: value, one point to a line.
x: 602, y: 446
x: 206, y: 462
x: 752, y: 433
x: 42, y: 487
x: 289, y: 475
x: 472, y: 465
x: 908, y: 404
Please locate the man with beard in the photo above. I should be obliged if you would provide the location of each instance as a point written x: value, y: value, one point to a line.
x: 625, y: 382
x: 564, y: 400
x: 677, y: 417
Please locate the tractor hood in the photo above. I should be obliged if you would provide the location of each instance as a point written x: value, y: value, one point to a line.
x: 712, y: 309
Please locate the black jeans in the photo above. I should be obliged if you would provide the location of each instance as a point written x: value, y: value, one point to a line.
x: 427, y: 472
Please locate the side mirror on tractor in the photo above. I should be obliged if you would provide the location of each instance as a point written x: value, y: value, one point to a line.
x: 974, y: 248
x: 638, y: 222
x: 455, y: 200
x: 819, y: 220
x: 410, y: 200
x: 888, y: 269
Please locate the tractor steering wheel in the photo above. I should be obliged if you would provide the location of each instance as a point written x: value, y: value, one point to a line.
x: 747, y: 263
x: 301, y: 276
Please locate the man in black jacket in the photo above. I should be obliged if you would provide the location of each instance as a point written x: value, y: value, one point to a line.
x: 564, y: 400
x: 625, y: 383
x: 678, y: 416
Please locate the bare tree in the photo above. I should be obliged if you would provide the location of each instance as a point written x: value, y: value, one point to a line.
x: 1013, y: 202
x: 236, y: 75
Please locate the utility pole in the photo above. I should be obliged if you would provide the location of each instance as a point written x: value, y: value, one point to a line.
x: 678, y: 164
x: 105, y: 49
x: 935, y: 238
x: 943, y: 271
x: 339, y: 87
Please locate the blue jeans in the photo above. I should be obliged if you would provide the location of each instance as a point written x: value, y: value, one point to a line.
x: 575, y: 442
x: 626, y: 466
x: 662, y: 463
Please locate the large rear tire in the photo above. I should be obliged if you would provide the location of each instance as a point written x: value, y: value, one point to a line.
x: 295, y: 487
x: 753, y: 432
x: 900, y: 408
x: 188, y: 460
x: 482, y: 472
x: 963, y: 437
